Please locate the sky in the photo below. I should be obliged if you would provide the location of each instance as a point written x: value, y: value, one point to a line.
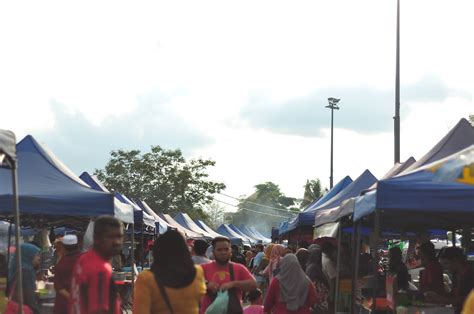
x: 243, y: 83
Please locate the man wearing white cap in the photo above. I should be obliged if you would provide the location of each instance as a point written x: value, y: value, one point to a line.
x: 63, y: 273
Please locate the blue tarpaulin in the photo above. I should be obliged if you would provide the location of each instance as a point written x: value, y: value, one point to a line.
x: 139, y: 216
x: 239, y: 232
x: 48, y: 187
x: 161, y: 225
x: 225, y: 230
x: 258, y: 233
x: 306, y: 218
x: 416, y: 194
x: 208, y: 229
x: 184, y: 220
x: 189, y: 233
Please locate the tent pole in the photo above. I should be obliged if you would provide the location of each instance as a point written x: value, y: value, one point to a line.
x: 143, y: 249
x: 375, y: 259
x: 355, y: 269
x: 132, y: 257
x: 338, y: 267
x: 19, y: 275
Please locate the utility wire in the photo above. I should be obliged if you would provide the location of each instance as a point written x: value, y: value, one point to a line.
x: 250, y: 210
x: 250, y: 202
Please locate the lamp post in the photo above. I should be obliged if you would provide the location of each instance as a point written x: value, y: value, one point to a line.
x: 333, y: 106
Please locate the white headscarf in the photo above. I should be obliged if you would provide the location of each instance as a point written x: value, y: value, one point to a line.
x: 294, y: 284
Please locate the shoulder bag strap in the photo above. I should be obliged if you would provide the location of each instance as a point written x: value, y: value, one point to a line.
x: 231, y: 272
x: 164, y: 295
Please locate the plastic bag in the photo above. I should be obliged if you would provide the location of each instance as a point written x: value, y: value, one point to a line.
x: 88, y: 237
x: 219, y: 306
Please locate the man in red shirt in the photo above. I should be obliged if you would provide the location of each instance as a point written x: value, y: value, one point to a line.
x: 63, y: 273
x: 217, y: 273
x: 93, y: 290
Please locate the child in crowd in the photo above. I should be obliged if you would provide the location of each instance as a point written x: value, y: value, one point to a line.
x: 256, y: 301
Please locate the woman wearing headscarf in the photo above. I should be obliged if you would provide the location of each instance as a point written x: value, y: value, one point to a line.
x: 314, y: 270
x: 274, y: 264
x: 174, y: 284
x: 302, y: 256
x: 30, y: 261
x: 290, y: 291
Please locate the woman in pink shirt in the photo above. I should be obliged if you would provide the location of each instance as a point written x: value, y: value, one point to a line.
x: 291, y: 291
x: 274, y: 265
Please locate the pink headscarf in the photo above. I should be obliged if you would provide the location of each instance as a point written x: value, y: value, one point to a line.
x: 277, y: 254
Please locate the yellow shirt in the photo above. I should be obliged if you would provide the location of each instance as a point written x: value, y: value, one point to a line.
x: 469, y: 304
x: 148, y: 299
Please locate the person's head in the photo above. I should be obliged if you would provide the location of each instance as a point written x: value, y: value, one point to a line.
x: 108, y: 236
x: 200, y: 247
x: 395, y: 255
x: 289, y: 266
x: 278, y: 251
x: 303, y: 244
x: 427, y: 252
x: 453, y: 259
x: 302, y: 255
x: 235, y: 249
x: 70, y: 243
x: 221, y: 250
x: 172, y: 263
x: 328, y: 249
x: 268, y: 251
x: 255, y: 297
x: 259, y: 248
x: 30, y: 255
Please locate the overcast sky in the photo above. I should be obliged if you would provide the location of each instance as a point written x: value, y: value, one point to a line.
x: 243, y: 83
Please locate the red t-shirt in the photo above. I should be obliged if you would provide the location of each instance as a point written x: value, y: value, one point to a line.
x: 213, y: 272
x: 432, y: 277
x: 275, y: 306
x: 92, y: 287
x: 62, y: 280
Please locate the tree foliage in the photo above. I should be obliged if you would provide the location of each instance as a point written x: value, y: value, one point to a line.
x: 163, y: 178
x: 216, y: 214
x: 265, y: 208
x: 312, y: 192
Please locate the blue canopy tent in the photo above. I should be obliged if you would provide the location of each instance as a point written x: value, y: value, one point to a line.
x: 48, y: 188
x: 306, y: 218
x: 258, y: 233
x: 125, y: 211
x: 346, y: 208
x: 161, y: 225
x: 184, y: 220
x: 235, y: 238
x: 201, y: 224
x: 251, y: 240
x: 249, y: 233
x: 420, y: 196
x: 141, y: 218
x: 417, y: 178
x: 189, y: 233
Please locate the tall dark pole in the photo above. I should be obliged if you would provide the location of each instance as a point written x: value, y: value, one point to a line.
x: 397, y: 91
x: 332, y: 105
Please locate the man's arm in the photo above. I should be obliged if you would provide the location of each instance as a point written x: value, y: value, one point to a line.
x: 245, y: 285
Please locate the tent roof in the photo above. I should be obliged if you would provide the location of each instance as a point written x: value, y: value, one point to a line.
x: 122, y: 211
x: 208, y: 229
x: 306, y: 218
x: 255, y: 231
x: 341, y: 185
x: 48, y: 187
x: 189, y: 233
x: 227, y: 231
x: 7, y: 145
x: 249, y: 233
x: 184, y: 220
x: 160, y: 222
x: 239, y: 232
x: 457, y: 139
x: 346, y: 208
x: 139, y: 216
x: 428, y: 203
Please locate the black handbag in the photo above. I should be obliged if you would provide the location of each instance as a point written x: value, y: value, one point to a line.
x: 234, y: 306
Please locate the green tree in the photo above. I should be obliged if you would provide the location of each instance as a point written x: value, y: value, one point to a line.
x: 265, y: 208
x: 312, y: 191
x: 215, y: 214
x: 163, y: 178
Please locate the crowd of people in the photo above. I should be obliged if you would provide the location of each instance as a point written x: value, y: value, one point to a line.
x: 191, y: 277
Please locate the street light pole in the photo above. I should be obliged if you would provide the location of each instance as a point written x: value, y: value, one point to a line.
x: 397, y: 91
x: 333, y: 106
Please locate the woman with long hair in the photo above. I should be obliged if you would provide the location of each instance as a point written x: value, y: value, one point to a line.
x: 314, y: 270
x: 173, y: 284
x: 290, y: 291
